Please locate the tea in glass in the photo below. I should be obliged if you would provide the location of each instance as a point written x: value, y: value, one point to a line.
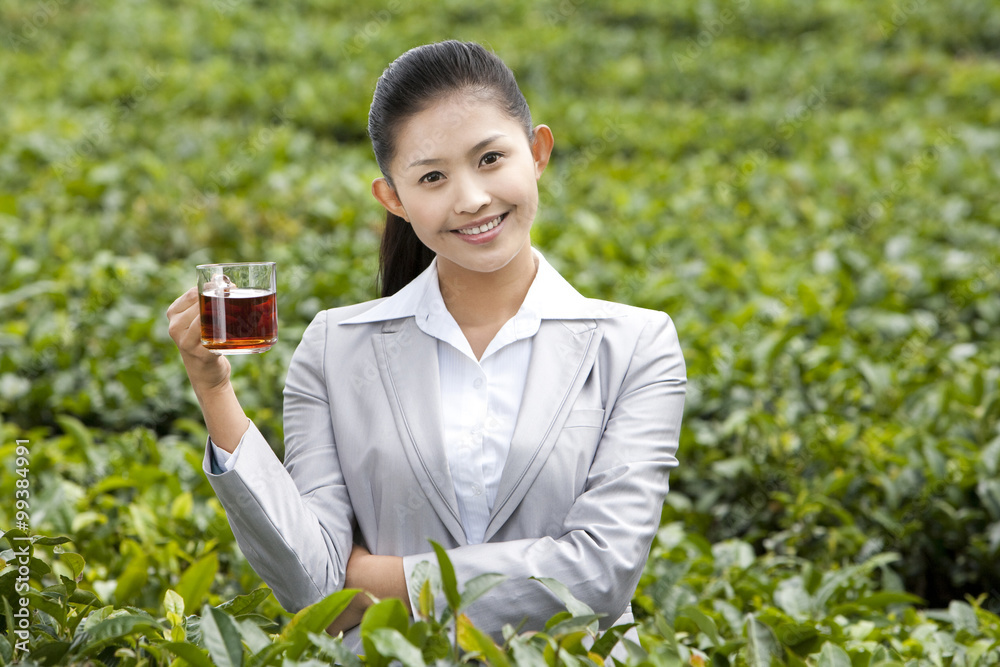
x: 239, y: 311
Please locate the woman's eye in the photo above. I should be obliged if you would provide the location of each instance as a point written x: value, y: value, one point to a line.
x: 432, y: 177
x: 491, y: 158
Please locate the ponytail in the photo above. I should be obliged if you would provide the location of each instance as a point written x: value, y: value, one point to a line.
x: 402, y: 256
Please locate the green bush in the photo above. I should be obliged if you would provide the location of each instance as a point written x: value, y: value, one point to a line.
x: 808, y: 189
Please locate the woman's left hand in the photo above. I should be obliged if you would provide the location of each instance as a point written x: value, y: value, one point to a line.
x: 377, y: 577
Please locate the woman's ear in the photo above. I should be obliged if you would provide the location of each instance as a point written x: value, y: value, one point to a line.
x: 386, y: 196
x: 541, y: 148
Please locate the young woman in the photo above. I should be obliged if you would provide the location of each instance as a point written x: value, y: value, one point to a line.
x: 482, y: 402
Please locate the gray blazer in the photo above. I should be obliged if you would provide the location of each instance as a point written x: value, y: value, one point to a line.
x: 581, y: 490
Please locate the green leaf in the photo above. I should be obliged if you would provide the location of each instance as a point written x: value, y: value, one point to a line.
x: 448, y: 581
x: 761, y: 647
x: 883, y: 657
x: 79, y: 433
x: 316, y: 617
x: 574, y: 624
x: 703, y: 621
x: 832, y: 655
x: 478, y: 586
x: 50, y: 541
x: 16, y: 536
x: 422, y: 585
x: 173, y: 603
x: 6, y: 650
x: 244, y: 604
x: 636, y: 653
x: 49, y: 652
x: 526, y: 654
x: 197, y: 579
x: 189, y: 652
x: 107, y: 631
x: 7, y: 612
x: 132, y: 579
x: 75, y: 562
x: 843, y: 577
x: 390, y: 643
x: 793, y: 634
x: 557, y: 618
x: 46, y: 604
x: 609, y: 638
x: 85, y: 598
x: 963, y: 616
x: 221, y: 637
x: 335, y: 648
x: 562, y: 592
x: 255, y: 638
x: 267, y: 655
x: 472, y: 639
x: 426, y: 600
x: 388, y: 613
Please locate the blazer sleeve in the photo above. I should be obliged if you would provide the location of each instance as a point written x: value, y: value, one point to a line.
x: 606, y: 536
x: 292, y: 520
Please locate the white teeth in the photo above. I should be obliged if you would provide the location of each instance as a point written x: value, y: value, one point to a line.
x: 483, y: 228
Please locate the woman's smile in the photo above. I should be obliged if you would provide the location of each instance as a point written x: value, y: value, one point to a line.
x: 482, y: 232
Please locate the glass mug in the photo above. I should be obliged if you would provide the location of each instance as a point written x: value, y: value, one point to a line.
x: 239, y: 309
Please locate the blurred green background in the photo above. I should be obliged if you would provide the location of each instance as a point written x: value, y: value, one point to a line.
x: 810, y: 190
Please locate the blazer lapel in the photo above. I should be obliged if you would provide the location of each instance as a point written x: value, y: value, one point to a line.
x: 562, y: 354
x: 408, y: 364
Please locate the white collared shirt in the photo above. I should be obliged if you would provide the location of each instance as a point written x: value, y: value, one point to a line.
x: 480, y: 399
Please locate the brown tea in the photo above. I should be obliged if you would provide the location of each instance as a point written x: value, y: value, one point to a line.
x: 239, y: 319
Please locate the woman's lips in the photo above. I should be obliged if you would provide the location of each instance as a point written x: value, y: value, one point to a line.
x: 484, y: 233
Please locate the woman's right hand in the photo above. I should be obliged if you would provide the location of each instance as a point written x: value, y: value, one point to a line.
x: 208, y: 372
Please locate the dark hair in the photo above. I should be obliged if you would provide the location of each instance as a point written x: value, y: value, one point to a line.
x: 413, y: 82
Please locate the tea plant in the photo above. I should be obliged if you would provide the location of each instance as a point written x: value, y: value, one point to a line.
x: 808, y: 189
x: 63, y: 624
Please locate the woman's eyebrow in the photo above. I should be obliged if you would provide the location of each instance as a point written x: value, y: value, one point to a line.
x: 475, y: 149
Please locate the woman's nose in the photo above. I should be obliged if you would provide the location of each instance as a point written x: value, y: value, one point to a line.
x: 471, y: 196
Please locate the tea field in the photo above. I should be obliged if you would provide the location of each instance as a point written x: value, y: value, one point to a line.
x: 811, y: 191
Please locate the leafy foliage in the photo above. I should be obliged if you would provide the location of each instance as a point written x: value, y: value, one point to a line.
x: 808, y: 189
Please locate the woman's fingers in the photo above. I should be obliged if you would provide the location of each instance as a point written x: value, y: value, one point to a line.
x: 183, y: 302
x: 184, y: 315
x: 204, y: 368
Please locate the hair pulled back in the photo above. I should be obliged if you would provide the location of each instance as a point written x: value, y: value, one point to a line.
x: 414, y: 81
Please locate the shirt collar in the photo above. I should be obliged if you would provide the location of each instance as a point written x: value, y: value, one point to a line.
x: 550, y: 297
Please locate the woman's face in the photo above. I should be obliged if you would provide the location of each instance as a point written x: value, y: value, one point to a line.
x: 465, y: 177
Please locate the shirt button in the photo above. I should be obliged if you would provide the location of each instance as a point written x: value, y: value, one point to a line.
x: 477, y: 490
x: 477, y: 383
